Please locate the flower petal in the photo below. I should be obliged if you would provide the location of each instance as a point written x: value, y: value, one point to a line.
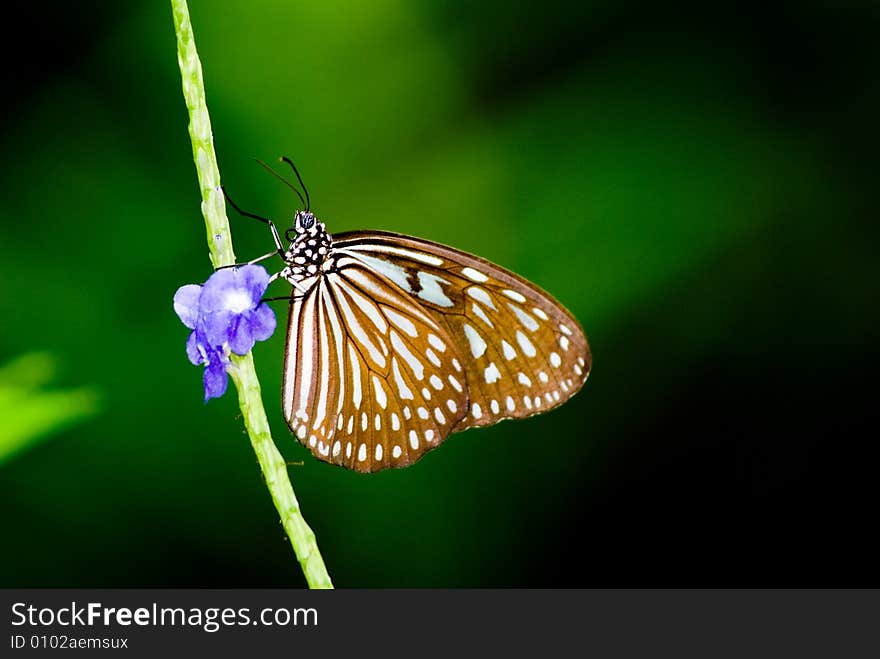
x: 262, y: 321
x: 186, y: 304
x: 216, y: 290
x: 216, y: 379
x: 255, y: 280
x: 217, y: 327
x: 241, y: 339
x: 194, y: 350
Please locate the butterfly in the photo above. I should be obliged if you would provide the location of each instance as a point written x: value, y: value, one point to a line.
x: 396, y: 342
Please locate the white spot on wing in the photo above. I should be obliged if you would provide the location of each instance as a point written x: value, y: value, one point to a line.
x: 414, y: 364
x: 528, y: 322
x: 413, y: 439
x: 476, y: 411
x: 394, y: 272
x: 481, y: 295
x: 367, y: 306
x: 474, y: 275
x: 492, y: 374
x: 522, y: 378
x: 555, y: 360
x: 378, y: 452
x: 356, y: 393
x: 478, y: 345
x: 354, y: 326
x: 410, y: 254
x: 539, y: 313
x: 431, y: 290
x: 362, y: 453
x: 509, y: 352
x: 525, y: 344
x: 402, y: 389
x: 381, y: 398
x: 436, y: 342
x: 402, y: 322
x: 513, y: 295
x: 478, y: 311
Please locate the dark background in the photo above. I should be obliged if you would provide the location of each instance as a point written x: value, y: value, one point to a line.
x: 697, y: 185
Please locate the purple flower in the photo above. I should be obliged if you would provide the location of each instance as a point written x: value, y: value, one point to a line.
x: 230, y: 307
x: 226, y: 314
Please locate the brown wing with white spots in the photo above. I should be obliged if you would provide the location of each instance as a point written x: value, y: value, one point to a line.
x: 367, y: 371
x: 522, y: 352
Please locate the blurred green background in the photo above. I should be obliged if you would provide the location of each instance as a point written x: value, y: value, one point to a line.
x: 699, y: 186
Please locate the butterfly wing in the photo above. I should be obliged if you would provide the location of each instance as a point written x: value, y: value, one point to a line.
x: 522, y: 352
x: 368, y: 371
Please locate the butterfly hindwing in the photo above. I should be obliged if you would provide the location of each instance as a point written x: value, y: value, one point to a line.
x: 370, y: 375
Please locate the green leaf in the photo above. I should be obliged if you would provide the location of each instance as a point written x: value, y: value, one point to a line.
x: 31, y: 414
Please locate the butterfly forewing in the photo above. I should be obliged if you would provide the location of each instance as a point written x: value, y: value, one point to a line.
x: 521, y: 351
x: 372, y: 379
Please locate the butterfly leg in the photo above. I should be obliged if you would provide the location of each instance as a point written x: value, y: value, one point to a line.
x: 279, y: 246
x: 251, y: 262
x: 295, y: 284
x: 298, y: 295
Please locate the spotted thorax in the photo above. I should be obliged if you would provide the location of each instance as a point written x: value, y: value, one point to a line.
x: 309, y: 252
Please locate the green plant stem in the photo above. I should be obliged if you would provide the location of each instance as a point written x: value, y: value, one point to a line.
x: 243, y: 374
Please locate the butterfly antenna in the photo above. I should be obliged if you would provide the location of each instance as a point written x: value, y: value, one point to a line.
x: 283, y: 180
x: 299, y: 178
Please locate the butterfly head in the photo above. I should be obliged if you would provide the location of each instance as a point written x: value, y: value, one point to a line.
x: 303, y: 221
